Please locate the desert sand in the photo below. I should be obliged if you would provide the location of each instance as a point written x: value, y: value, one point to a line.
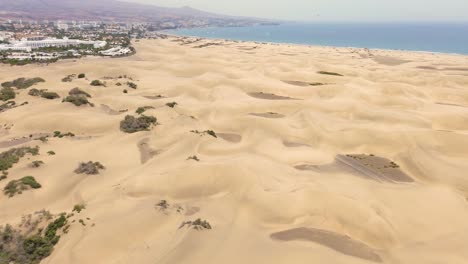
x: 275, y: 184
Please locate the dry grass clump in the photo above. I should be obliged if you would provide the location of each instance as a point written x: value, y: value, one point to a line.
x: 133, y: 124
x: 22, y: 83
x: 172, y: 104
x: 197, y: 224
x: 36, y: 164
x: 18, y: 186
x: 132, y: 85
x: 209, y: 132
x: 89, y: 168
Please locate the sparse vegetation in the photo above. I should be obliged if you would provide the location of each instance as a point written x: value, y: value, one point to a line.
x: 69, y: 78
x: 97, y: 83
x: 142, y: 109
x: 22, y: 83
x: 61, y: 135
x: 133, y: 124
x: 132, y: 85
x: 78, y: 100
x: 209, y: 132
x: 78, y: 91
x: 162, y: 205
x: 31, y: 245
x: 329, y: 73
x: 81, y: 76
x: 36, y: 164
x: 50, y: 153
x: 172, y: 104
x: 195, y: 158
x: 12, y: 156
x: 197, y: 224
x: 18, y: 186
x: 79, y: 207
x: 89, y: 168
x: 43, y: 93
x: 7, y: 93
x: 125, y: 91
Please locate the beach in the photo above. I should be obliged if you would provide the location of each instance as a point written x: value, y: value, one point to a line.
x: 291, y: 153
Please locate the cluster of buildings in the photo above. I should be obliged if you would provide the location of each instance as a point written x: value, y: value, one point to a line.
x: 28, y: 44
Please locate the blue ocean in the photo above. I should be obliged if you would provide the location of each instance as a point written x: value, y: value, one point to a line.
x: 443, y: 37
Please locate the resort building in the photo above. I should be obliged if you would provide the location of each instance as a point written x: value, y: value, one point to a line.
x: 28, y: 45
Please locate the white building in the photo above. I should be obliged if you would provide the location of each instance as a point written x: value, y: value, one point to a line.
x: 28, y: 45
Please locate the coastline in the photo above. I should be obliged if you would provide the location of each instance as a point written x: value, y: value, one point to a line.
x: 172, y: 33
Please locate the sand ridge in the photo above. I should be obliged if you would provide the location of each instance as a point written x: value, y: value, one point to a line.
x: 272, y: 167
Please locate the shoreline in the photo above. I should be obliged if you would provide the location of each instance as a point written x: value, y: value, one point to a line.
x: 315, y: 45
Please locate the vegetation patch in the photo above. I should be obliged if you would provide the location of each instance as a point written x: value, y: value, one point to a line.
x: 81, y: 76
x: 197, y: 224
x: 61, y: 135
x: 43, y: 93
x: 78, y: 91
x: 69, y: 78
x: 89, y: 168
x: 97, y: 83
x: 12, y: 156
x: 133, y: 124
x: 7, y: 93
x: 78, y: 100
x: 50, y: 153
x: 172, y: 104
x: 195, y: 158
x: 209, y: 132
x: 329, y: 73
x: 22, y: 83
x: 18, y: 186
x: 79, y: 207
x: 36, y: 164
x: 142, y: 109
x: 30, y: 244
x: 132, y: 85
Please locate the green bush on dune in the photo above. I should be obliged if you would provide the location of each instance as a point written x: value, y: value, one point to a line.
x: 18, y: 186
x: 12, y: 156
x: 7, y: 93
x: 133, y: 124
x: 22, y: 83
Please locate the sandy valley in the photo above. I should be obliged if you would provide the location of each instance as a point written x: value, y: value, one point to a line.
x: 261, y: 153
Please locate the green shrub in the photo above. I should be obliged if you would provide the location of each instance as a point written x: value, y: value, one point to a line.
x: 81, y: 76
x: 79, y: 207
x: 142, y: 109
x: 69, y: 78
x: 7, y: 93
x: 51, y: 153
x: 50, y: 95
x: 97, y: 83
x: 77, y: 100
x: 30, y: 246
x: 90, y: 168
x: 133, y: 124
x: 35, y: 92
x: 61, y: 135
x: 18, y: 186
x: 209, y: 132
x: 12, y: 156
x: 22, y: 83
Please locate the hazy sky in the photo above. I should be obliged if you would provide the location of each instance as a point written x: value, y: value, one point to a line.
x: 332, y: 10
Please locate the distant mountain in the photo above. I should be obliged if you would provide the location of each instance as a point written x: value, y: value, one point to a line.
x: 94, y: 10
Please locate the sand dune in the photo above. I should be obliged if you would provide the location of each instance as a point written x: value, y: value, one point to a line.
x: 275, y: 184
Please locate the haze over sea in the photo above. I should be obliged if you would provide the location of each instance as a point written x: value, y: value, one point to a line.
x: 432, y: 37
